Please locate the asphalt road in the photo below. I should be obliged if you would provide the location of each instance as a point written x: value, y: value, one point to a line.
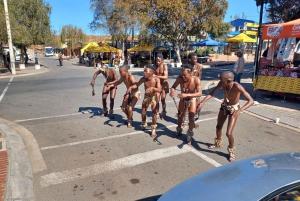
x: 93, y: 158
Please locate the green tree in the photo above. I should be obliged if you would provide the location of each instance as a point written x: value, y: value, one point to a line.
x: 283, y: 10
x: 71, y: 35
x: 175, y: 20
x: 221, y: 31
x: 30, y: 24
x: 120, y: 18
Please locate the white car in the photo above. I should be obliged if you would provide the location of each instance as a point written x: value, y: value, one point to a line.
x: 18, y: 57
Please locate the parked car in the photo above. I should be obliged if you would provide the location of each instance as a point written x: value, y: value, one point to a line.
x: 271, y: 177
x: 18, y: 57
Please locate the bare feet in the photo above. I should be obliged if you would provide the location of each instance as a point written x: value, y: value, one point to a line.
x: 153, y: 135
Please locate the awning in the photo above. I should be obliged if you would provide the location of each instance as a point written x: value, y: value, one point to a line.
x: 241, y: 38
x: 141, y: 47
x: 89, y: 45
x: 284, y: 30
x: 104, y: 48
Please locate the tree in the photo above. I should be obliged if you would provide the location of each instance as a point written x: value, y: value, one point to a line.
x: 30, y: 24
x: 283, y: 10
x: 119, y: 17
x: 221, y: 31
x: 71, y: 35
x: 175, y: 20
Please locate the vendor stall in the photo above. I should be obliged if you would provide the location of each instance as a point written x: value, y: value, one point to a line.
x: 282, y: 76
x: 142, y: 47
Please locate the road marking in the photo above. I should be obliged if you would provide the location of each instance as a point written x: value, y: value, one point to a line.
x: 109, y: 166
x: 112, y: 137
x: 6, y: 88
x: 204, y: 157
x: 65, y: 115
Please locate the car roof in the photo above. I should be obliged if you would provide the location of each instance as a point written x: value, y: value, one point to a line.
x: 248, y: 179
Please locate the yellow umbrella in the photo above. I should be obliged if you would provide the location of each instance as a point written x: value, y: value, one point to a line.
x: 241, y: 38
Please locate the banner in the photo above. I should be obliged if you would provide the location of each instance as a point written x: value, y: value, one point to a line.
x: 251, y: 28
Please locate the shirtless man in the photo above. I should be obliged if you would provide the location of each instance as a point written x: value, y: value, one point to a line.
x: 229, y: 108
x: 130, y: 99
x: 197, y: 72
x: 110, y: 75
x: 190, y: 90
x: 161, y: 72
x: 152, y: 87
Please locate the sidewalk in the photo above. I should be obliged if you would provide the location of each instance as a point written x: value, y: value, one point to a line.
x: 29, y: 70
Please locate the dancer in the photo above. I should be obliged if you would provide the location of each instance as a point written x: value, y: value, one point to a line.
x: 152, y: 87
x: 190, y: 90
x: 229, y: 108
x: 130, y: 99
x: 110, y: 75
x: 161, y: 72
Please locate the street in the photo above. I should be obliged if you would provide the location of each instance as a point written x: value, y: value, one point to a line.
x: 89, y: 157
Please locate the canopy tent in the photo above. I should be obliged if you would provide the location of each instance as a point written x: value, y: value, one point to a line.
x: 241, y: 38
x: 141, y: 47
x: 164, y: 48
x: 104, y: 48
x: 207, y: 42
x: 89, y: 45
x: 284, y: 30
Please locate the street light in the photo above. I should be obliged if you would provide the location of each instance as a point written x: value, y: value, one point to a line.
x: 12, y: 56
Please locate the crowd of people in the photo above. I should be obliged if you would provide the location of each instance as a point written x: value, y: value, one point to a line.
x: 156, y: 85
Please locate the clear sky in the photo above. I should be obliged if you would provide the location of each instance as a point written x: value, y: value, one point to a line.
x: 78, y: 13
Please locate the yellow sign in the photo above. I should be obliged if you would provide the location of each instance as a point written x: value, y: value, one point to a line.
x: 254, y: 33
x: 248, y: 24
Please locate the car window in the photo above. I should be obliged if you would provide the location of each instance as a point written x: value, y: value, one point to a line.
x: 292, y: 194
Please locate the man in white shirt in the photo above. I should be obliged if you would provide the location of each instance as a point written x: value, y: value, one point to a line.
x: 238, y: 68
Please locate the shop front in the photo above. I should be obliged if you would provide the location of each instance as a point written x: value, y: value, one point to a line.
x: 278, y: 72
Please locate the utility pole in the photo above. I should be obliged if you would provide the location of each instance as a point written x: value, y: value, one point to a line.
x: 259, y: 42
x: 11, y: 51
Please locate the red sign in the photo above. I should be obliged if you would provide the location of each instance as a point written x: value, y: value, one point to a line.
x: 263, y: 62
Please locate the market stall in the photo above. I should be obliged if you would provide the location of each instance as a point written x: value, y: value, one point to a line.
x: 140, y: 48
x: 282, y: 76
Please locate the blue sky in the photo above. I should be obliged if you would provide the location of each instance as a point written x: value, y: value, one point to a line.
x: 78, y: 13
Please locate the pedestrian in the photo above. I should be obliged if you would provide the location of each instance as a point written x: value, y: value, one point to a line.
x: 60, y: 59
x: 152, y: 87
x: 130, y: 99
x: 230, y: 108
x: 161, y: 71
x: 110, y: 75
x: 190, y: 90
x: 238, y: 68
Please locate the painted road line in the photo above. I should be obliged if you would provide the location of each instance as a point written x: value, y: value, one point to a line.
x: 6, y: 88
x: 126, y: 162
x: 204, y: 157
x: 64, y: 115
x: 112, y: 137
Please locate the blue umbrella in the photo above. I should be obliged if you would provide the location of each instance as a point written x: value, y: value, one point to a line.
x: 207, y: 42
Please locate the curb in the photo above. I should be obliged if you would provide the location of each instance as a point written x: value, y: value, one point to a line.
x: 24, y: 159
x: 206, y: 87
x: 19, y: 183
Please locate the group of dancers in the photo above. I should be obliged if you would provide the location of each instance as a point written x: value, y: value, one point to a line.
x: 156, y: 86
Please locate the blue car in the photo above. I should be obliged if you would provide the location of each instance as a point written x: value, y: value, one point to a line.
x: 274, y: 177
